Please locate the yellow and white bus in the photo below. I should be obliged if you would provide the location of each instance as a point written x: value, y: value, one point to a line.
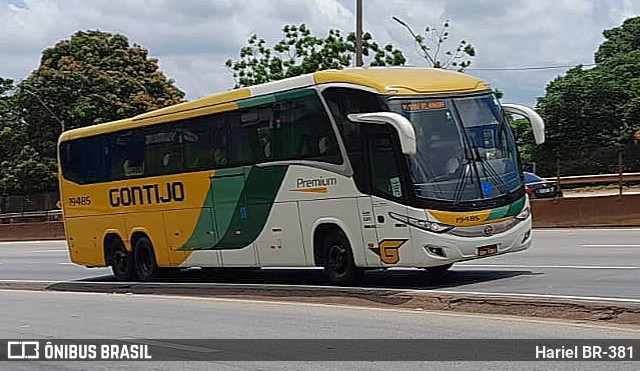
x: 352, y: 169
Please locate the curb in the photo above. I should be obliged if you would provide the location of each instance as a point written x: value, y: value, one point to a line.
x: 592, y: 311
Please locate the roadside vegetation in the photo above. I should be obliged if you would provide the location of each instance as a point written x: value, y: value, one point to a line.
x: 591, y: 114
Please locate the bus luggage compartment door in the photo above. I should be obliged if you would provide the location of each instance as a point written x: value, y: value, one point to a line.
x: 231, y: 218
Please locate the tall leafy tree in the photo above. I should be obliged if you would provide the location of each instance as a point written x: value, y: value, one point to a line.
x: 300, y: 52
x: 22, y: 169
x: 9, y: 137
x: 435, y: 49
x: 91, y: 78
x: 590, y: 114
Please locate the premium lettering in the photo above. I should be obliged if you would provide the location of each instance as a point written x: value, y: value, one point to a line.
x: 318, y: 182
x: 146, y: 194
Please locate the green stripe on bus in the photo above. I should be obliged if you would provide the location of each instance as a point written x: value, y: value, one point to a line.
x: 260, y: 190
x: 273, y: 98
x: 237, y: 207
x: 508, y: 210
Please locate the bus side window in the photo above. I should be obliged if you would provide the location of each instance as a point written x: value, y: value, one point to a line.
x: 306, y: 131
x: 128, y: 155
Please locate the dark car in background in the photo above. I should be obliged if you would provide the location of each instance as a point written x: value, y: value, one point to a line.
x: 537, y: 187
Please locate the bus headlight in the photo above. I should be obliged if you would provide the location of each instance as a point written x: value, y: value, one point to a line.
x: 422, y: 224
x: 524, y: 214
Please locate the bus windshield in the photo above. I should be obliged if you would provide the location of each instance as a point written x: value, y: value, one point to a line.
x: 465, y: 149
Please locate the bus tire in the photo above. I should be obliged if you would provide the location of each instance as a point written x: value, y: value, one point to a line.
x: 339, y: 266
x: 121, y: 261
x: 145, y: 260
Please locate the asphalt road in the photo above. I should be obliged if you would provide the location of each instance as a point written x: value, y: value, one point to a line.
x: 585, y: 263
x: 56, y: 315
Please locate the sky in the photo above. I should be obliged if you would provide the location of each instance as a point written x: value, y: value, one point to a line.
x: 193, y: 38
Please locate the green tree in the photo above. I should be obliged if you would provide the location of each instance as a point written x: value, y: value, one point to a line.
x: 591, y: 114
x: 91, y: 78
x: 27, y: 173
x: 22, y: 169
x: 299, y: 52
x: 433, y: 46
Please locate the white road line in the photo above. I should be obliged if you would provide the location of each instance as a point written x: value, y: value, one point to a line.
x: 50, y: 250
x: 29, y: 281
x: 33, y: 242
x: 619, y: 245
x: 543, y: 266
x: 166, y: 344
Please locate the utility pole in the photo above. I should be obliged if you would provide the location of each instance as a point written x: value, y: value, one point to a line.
x: 43, y: 104
x: 358, y: 33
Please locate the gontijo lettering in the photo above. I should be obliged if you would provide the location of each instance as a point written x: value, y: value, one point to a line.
x: 147, y: 194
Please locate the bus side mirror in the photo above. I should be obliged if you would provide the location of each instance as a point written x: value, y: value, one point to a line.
x: 402, y: 126
x: 537, y: 125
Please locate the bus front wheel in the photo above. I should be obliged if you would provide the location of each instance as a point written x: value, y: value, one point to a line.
x: 145, y: 260
x: 339, y: 266
x: 121, y: 261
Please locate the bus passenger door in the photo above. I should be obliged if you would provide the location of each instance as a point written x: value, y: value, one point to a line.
x: 275, y: 224
x: 393, y: 245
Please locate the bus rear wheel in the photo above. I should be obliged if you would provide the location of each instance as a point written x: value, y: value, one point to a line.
x: 121, y: 261
x: 339, y: 266
x: 145, y: 260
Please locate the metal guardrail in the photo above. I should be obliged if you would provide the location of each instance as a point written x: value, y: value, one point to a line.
x: 54, y: 215
x: 594, y: 179
x: 49, y: 215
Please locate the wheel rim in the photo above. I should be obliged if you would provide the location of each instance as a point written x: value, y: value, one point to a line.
x: 338, y: 258
x: 120, y: 262
x: 146, y: 264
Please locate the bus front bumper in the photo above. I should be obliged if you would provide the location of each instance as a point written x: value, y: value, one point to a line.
x: 462, y: 244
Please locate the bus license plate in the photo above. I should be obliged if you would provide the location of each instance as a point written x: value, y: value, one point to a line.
x: 487, y: 250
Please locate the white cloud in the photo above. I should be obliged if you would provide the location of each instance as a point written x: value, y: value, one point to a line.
x: 193, y: 38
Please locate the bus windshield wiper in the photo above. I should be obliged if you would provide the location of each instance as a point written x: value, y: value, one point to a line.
x: 490, y: 171
x: 462, y: 181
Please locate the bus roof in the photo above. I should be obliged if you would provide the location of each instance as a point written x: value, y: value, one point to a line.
x: 384, y: 80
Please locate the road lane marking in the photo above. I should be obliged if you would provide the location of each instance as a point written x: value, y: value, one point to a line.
x: 50, y: 250
x: 166, y: 344
x: 51, y: 242
x: 542, y: 266
x: 619, y: 245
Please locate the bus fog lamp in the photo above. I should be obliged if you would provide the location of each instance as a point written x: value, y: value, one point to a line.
x: 435, y: 250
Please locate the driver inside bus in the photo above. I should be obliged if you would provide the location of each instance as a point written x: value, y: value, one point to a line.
x: 455, y: 157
